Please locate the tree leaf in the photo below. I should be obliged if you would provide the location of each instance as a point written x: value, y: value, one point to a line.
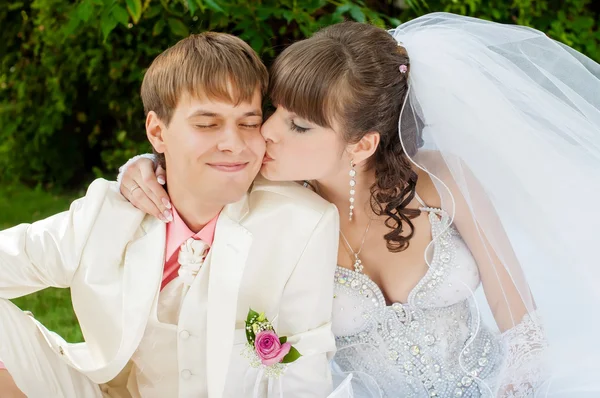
x: 395, y: 22
x: 357, y: 14
x: 107, y: 24
x: 158, y: 27
x: 177, y: 27
x: 257, y: 43
x: 70, y: 27
x: 192, y: 6
x: 120, y: 14
x: 288, y: 15
x: 263, y: 13
x: 15, y: 6
x: 291, y: 356
x: 85, y: 10
x: 153, y: 11
x: 343, y: 8
x: 244, y: 25
x: 211, y: 4
x: 135, y: 9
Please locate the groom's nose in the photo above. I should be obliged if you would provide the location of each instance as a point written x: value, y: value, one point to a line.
x: 232, y: 140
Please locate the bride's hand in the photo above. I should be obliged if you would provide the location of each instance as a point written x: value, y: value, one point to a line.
x: 142, y: 186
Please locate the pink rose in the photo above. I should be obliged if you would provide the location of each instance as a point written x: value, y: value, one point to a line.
x: 269, y: 349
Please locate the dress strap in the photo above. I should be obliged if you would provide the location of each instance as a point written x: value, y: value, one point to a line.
x: 426, y: 208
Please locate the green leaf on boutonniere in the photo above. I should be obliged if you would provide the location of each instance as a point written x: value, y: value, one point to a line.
x: 291, y: 356
x: 250, y: 319
x: 250, y: 336
x: 282, y: 340
x: 252, y: 316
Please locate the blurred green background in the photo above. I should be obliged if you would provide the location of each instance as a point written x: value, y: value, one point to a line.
x: 70, y: 73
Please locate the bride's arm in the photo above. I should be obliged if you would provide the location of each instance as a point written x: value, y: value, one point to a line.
x: 503, y: 280
x: 508, y: 296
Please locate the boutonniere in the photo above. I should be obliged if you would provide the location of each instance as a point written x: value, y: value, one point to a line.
x: 265, y: 348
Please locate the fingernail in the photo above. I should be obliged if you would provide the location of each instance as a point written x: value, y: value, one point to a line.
x: 166, y: 203
x: 162, y: 218
x: 168, y: 215
x: 161, y: 180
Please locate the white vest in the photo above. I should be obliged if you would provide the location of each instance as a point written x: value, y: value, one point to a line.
x: 157, y: 371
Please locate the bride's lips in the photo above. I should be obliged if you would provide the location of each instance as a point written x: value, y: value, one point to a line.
x: 267, y: 158
x: 229, y: 167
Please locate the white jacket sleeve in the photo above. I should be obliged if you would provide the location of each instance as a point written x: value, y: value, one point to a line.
x: 47, y: 252
x: 305, y: 314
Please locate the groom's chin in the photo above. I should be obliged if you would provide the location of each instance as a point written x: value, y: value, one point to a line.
x: 233, y: 195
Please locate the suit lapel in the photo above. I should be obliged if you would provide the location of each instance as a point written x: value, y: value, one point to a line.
x: 227, y: 262
x: 142, y: 274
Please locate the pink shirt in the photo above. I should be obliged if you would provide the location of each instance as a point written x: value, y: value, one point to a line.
x: 177, y: 233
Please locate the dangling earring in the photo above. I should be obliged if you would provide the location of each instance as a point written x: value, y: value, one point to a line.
x: 352, y: 185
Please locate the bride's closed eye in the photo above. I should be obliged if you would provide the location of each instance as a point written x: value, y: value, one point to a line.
x: 298, y: 129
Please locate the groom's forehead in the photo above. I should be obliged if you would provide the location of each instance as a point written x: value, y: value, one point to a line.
x: 216, y: 106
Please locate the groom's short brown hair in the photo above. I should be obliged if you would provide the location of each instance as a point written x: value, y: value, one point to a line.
x: 218, y: 66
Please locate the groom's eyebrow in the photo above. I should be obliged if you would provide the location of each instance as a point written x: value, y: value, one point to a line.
x: 204, y: 113
x: 201, y: 112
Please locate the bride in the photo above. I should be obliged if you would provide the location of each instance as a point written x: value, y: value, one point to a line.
x: 461, y: 154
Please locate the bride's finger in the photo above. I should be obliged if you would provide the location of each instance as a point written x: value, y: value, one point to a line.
x: 128, y: 183
x: 161, y: 175
x: 155, y: 192
x: 139, y: 198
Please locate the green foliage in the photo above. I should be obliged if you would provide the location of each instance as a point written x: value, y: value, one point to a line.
x: 70, y: 71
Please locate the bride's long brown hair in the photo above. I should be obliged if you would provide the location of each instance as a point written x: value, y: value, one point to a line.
x: 350, y: 73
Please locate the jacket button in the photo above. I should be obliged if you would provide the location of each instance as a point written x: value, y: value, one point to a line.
x: 184, y: 334
x: 186, y: 374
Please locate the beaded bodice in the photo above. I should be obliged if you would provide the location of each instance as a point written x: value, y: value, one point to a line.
x: 431, y: 346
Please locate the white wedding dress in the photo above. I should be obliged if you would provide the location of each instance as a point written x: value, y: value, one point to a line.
x: 434, y: 345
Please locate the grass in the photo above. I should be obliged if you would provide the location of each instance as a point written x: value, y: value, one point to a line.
x: 52, y: 307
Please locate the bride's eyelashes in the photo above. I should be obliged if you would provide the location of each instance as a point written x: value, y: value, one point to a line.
x: 298, y: 129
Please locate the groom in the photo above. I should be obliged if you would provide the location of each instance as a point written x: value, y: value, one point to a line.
x: 162, y: 307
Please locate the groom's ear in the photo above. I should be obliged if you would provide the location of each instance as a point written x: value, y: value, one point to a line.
x: 154, y: 131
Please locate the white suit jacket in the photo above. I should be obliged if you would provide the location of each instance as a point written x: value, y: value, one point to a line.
x: 274, y: 251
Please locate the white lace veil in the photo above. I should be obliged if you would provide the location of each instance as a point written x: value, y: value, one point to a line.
x: 507, y: 122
